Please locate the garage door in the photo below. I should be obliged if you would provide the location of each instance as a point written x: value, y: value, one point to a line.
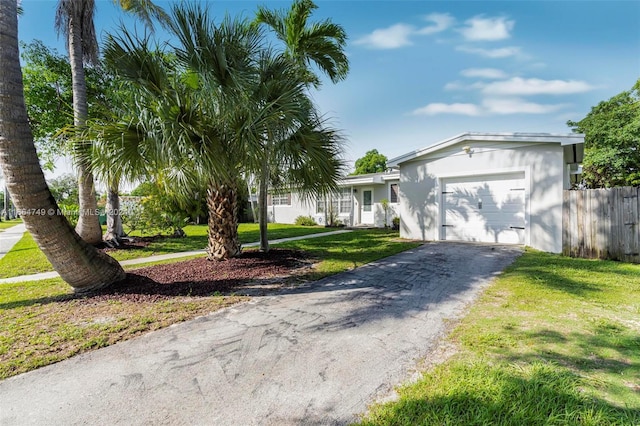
x: 484, y: 209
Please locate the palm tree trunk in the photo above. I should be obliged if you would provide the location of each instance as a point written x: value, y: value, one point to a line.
x: 6, y: 201
x: 88, y: 226
x: 222, y: 204
x: 114, y: 221
x: 262, y: 206
x: 78, y: 263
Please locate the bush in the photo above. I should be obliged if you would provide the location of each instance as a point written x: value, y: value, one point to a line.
x: 305, y: 221
x: 396, y: 223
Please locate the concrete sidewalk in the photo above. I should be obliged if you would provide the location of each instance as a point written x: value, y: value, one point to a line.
x: 9, y: 237
x: 160, y: 257
x: 316, y: 354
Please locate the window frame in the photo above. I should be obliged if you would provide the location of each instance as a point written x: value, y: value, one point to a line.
x: 397, y: 193
x: 281, y: 199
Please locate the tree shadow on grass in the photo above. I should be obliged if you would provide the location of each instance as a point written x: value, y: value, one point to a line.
x: 600, y: 350
x: 466, y: 393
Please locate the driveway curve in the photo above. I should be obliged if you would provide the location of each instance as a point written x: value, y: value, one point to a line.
x: 316, y: 354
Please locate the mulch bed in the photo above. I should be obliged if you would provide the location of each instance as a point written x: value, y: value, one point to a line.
x: 200, y: 277
x: 131, y: 243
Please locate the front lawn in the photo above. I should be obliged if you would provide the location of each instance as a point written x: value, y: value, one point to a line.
x: 26, y: 258
x: 43, y: 322
x: 9, y: 223
x: 553, y: 341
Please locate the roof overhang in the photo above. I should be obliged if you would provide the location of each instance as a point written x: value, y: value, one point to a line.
x: 533, y: 138
x: 370, y: 179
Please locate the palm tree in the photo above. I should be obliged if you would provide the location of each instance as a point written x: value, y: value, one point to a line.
x: 78, y: 263
x: 185, y: 111
x: 295, y: 141
x: 203, y: 111
x: 321, y: 44
x: 74, y: 19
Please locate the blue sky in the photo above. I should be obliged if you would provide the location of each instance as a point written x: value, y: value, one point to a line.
x: 422, y: 71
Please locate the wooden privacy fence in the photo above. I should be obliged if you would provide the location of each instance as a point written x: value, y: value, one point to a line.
x: 601, y: 224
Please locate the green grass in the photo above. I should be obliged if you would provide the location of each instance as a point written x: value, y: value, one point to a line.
x: 350, y: 250
x: 42, y: 322
x: 26, y: 258
x: 9, y: 223
x: 553, y: 341
x: 23, y: 259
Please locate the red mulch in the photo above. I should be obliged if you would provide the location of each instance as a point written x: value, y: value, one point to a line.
x: 130, y: 243
x: 201, y: 277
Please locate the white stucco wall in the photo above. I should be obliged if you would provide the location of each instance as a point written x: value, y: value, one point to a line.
x: 383, y: 192
x: 298, y: 207
x: 543, y: 165
x: 288, y: 214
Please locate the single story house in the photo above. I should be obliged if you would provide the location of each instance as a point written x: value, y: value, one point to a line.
x: 483, y: 187
x: 489, y: 187
x: 357, y: 204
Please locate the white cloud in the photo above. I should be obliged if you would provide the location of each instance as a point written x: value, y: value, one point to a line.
x: 490, y: 106
x: 536, y: 86
x: 488, y: 73
x: 455, y: 85
x: 388, y: 38
x: 487, y: 29
x: 458, y: 85
x: 439, y: 108
x: 501, y: 52
x: 518, y: 106
x: 439, y: 21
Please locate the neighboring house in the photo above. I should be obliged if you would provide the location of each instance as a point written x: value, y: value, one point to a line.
x: 489, y: 187
x: 357, y: 203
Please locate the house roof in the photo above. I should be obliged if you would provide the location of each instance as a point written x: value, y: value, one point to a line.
x: 533, y: 138
x: 369, y: 179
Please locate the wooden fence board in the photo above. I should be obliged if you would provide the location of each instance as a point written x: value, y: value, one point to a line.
x: 566, y: 235
x: 602, y: 223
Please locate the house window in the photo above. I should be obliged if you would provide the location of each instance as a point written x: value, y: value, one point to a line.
x: 345, y: 200
x: 336, y: 203
x: 393, y: 196
x: 282, y: 199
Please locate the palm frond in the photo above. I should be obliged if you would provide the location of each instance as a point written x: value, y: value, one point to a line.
x: 146, y: 11
x: 80, y: 14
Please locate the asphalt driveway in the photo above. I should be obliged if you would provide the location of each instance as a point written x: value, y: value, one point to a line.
x: 319, y: 354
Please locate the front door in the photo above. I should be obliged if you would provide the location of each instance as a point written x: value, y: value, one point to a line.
x: 366, y: 207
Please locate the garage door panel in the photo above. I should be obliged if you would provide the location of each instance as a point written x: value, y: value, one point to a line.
x: 485, y: 209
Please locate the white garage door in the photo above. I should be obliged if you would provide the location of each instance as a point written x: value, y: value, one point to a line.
x: 484, y: 208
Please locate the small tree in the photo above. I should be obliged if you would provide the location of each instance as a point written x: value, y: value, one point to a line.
x: 612, y: 139
x: 385, y: 207
x: 372, y: 162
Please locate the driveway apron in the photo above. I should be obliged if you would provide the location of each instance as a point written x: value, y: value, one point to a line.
x: 316, y: 354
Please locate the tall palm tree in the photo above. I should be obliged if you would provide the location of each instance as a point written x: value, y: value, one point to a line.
x: 321, y: 44
x: 294, y: 139
x: 74, y: 19
x: 78, y: 263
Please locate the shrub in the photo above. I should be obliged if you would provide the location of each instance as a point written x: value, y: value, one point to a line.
x: 396, y: 223
x: 305, y: 221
